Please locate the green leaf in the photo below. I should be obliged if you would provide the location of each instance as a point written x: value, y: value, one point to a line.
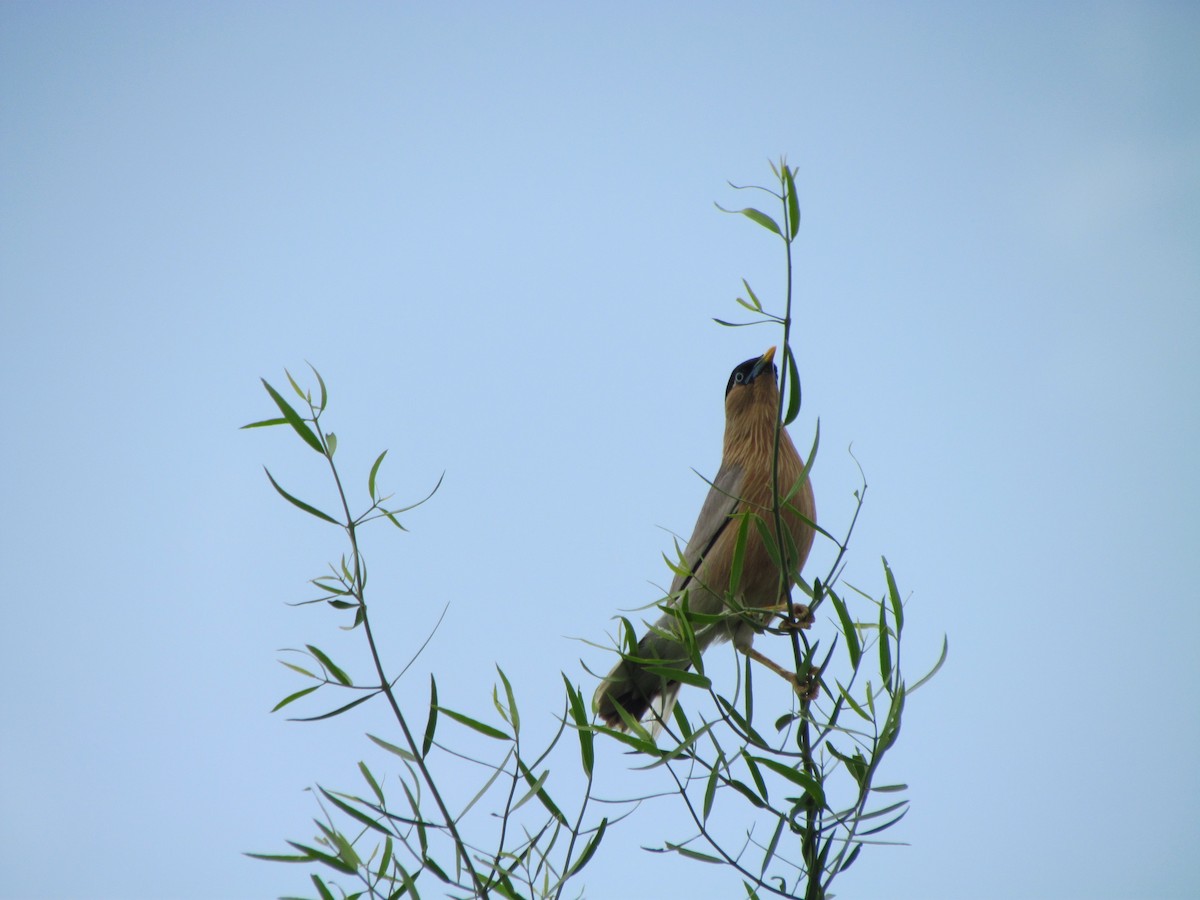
x: 744, y: 789
x: 514, y: 716
x: 299, y: 504
x: 328, y: 664
x: 851, y: 858
x: 793, y: 408
x: 774, y: 843
x: 315, y: 855
x: 740, y: 720
x: 884, y: 826
x: 293, y: 418
x: 587, y: 749
x: 355, y: 814
x: 739, y: 551
x: 756, y: 774
x: 710, y: 792
x: 885, y: 649
x: 811, y: 786
x: 793, y: 203
x: 362, y: 767
x: 300, y: 392
x: 753, y: 297
x: 532, y: 792
x: 727, y: 324
x: 853, y: 704
x: 769, y: 543
x: 265, y: 423
x: 321, y: 382
x: 323, y: 891
x: 331, y: 442
x: 894, y: 596
x: 890, y: 788
x: 385, y: 859
x: 542, y: 796
x: 296, y: 696
x: 431, y: 723
x: 337, y: 712
x: 475, y: 725
x: 392, y: 748
x: 374, y: 472
x: 278, y: 857
x: 937, y: 665
x: 849, y: 631
x: 692, y: 854
x: 681, y: 675
x: 590, y: 850
x: 497, y: 771
x: 755, y: 215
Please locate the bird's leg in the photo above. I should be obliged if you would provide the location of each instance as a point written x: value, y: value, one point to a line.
x: 806, y: 688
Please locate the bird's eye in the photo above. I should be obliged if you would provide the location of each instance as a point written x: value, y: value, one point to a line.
x: 739, y: 377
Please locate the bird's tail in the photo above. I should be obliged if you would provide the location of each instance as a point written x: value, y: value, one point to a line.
x: 644, y: 694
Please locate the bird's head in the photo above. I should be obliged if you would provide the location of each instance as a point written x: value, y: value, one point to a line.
x: 751, y: 404
x: 752, y: 391
x: 747, y: 380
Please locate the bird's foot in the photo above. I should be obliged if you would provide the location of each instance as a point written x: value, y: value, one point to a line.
x: 799, y: 618
x: 807, y: 688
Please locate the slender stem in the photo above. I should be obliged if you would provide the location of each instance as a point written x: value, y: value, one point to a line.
x: 385, y: 683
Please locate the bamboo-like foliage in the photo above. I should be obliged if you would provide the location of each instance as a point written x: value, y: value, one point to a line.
x: 381, y: 846
x: 801, y: 791
x: 787, y: 805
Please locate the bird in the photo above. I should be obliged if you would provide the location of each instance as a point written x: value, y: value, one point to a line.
x: 742, y: 490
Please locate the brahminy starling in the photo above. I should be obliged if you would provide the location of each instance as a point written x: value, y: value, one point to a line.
x: 742, y: 500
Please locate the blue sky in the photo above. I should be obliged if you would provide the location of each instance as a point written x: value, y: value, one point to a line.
x: 493, y: 232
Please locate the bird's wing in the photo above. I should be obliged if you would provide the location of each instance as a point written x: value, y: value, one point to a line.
x: 722, y: 500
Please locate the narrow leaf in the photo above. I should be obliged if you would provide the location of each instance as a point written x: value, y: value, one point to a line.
x: 322, y: 891
x: 431, y: 724
x: 937, y: 665
x: 532, y: 792
x: 337, y: 712
x: 811, y: 786
x: 793, y: 407
x: 793, y: 203
x: 885, y: 649
x: 590, y: 850
x: 849, y: 631
x: 299, y: 504
x: 321, y: 382
x: 296, y: 696
x: 475, y: 725
x: 692, y: 854
x: 681, y: 675
x: 710, y: 792
x: 328, y: 664
x: 374, y: 472
x: 378, y: 791
x: 894, y: 596
x: 755, y: 215
x: 392, y: 748
x: 753, y: 297
x: 266, y: 423
x: 587, y: 749
x: 514, y: 716
x: 315, y: 855
x: 293, y: 418
x: 774, y: 843
x: 355, y: 814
